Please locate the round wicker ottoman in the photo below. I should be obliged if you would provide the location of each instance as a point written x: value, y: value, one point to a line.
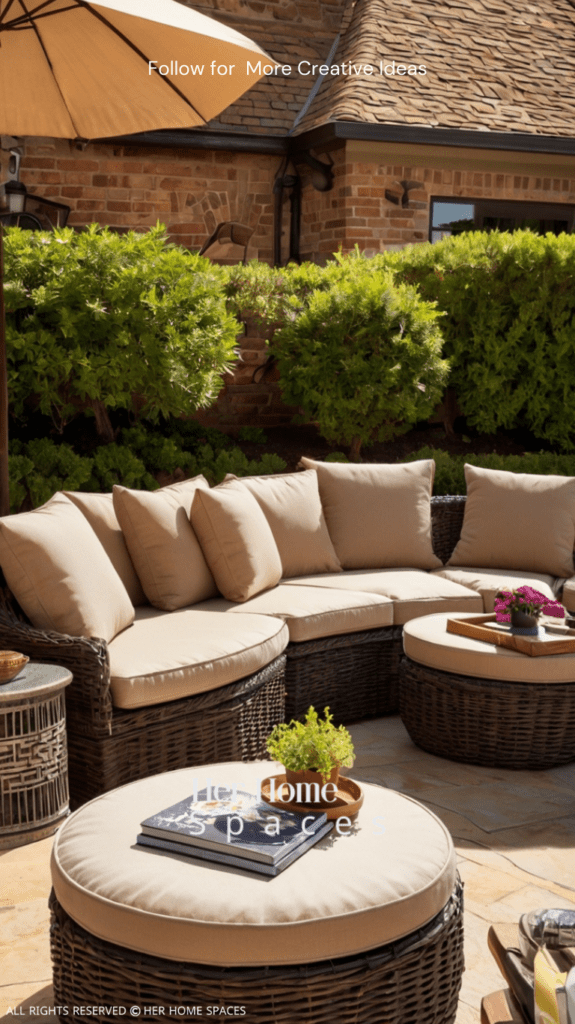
x: 469, y: 701
x: 365, y: 926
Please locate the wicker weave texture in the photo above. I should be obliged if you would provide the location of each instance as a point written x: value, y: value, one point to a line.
x: 228, y: 724
x: 446, y: 522
x: 33, y: 765
x: 415, y: 981
x: 488, y: 721
x: 355, y: 674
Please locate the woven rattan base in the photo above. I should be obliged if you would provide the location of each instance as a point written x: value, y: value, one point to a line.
x: 227, y: 724
x: 488, y: 721
x: 415, y: 981
x: 356, y: 675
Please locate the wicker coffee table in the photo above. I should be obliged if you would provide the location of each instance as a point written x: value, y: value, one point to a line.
x: 470, y: 701
x: 364, y: 927
x: 33, y: 754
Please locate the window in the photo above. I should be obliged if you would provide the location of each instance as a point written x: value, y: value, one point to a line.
x: 453, y: 216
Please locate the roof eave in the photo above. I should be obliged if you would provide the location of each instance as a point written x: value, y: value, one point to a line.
x: 459, y: 137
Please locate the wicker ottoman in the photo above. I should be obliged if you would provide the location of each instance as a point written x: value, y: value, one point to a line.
x: 365, y: 926
x: 469, y: 701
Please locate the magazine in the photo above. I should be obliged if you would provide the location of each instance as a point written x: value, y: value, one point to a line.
x: 172, y: 846
x: 243, y: 825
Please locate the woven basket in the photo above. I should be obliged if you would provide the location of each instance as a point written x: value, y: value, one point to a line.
x: 488, y: 721
x: 413, y: 981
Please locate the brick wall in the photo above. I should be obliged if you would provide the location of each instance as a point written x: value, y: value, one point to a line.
x: 190, y: 191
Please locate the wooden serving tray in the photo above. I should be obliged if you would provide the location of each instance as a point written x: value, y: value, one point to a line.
x: 484, y: 627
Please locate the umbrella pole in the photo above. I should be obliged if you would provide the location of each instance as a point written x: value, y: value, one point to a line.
x: 4, y: 477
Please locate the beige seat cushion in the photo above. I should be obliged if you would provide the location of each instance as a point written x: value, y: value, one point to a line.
x: 168, y: 655
x: 427, y: 641
x: 347, y: 894
x: 413, y: 592
x: 378, y: 516
x: 60, y: 574
x: 162, y: 544
x: 312, y: 612
x: 237, y: 541
x: 292, y: 507
x: 99, y: 511
x: 488, y: 581
x: 517, y: 519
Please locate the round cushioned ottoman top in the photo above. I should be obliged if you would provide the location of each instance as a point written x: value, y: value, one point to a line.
x: 427, y: 642
x: 391, y: 874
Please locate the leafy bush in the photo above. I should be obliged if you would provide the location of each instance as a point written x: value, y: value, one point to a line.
x: 509, y: 325
x: 40, y: 468
x: 450, y: 475
x: 363, y: 356
x: 215, y: 466
x: 253, y: 435
x: 100, y: 321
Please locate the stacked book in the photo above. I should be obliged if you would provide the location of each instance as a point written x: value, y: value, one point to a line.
x: 242, y: 832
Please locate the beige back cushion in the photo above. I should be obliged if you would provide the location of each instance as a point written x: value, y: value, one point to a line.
x: 378, y: 516
x: 237, y: 541
x: 162, y: 544
x: 99, y: 511
x: 517, y: 521
x: 292, y: 507
x: 60, y: 574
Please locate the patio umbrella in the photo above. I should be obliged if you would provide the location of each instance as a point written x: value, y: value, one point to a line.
x: 80, y: 70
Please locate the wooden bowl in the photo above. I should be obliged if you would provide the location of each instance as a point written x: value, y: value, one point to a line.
x: 11, y: 663
x: 348, y: 800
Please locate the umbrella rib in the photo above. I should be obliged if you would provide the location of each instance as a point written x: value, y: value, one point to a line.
x: 24, y: 21
x: 44, y: 51
x: 139, y: 53
x: 5, y: 11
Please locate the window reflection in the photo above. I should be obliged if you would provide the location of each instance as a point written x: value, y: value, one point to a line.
x: 454, y: 216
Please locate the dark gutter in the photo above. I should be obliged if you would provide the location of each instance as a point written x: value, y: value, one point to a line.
x: 238, y: 142
x: 459, y: 137
x: 282, y: 145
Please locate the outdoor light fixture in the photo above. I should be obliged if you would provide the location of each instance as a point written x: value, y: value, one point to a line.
x: 15, y: 192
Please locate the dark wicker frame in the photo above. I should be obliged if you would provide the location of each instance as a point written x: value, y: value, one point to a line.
x: 414, y: 980
x: 488, y: 721
x: 356, y: 674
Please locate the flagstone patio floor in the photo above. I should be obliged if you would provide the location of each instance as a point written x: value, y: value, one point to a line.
x: 514, y: 833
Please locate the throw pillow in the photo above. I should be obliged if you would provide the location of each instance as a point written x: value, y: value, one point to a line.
x: 517, y: 521
x: 292, y: 507
x: 99, y: 511
x: 60, y: 574
x: 162, y: 544
x: 237, y: 542
x: 378, y: 516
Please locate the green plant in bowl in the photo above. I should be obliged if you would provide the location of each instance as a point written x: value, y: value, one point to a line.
x: 312, y: 745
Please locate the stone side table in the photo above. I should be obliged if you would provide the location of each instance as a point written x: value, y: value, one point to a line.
x: 33, y: 754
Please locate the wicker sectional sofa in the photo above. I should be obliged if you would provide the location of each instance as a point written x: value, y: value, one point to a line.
x: 251, y: 601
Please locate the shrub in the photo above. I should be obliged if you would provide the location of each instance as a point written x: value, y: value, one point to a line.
x: 363, y: 357
x: 509, y: 325
x: 449, y: 469
x: 100, y: 321
x: 40, y: 468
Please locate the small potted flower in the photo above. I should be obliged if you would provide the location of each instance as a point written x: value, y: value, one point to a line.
x: 523, y: 607
x: 312, y: 751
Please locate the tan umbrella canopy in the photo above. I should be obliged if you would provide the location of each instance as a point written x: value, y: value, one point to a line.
x: 78, y: 70
x: 73, y: 69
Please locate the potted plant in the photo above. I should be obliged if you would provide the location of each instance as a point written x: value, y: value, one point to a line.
x: 312, y: 752
x: 523, y: 607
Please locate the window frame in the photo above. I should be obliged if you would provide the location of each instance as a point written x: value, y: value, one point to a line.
x: 505, y: 208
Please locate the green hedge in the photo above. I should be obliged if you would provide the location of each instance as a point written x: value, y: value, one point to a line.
x: 98, y: 321
x: 508, y: 304
x: 449, y: 469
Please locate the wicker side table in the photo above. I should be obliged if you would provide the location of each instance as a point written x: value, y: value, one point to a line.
x: 33, y: 754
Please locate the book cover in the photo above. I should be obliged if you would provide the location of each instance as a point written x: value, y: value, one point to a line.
x: 261, y: 868
x: 244, y: 826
